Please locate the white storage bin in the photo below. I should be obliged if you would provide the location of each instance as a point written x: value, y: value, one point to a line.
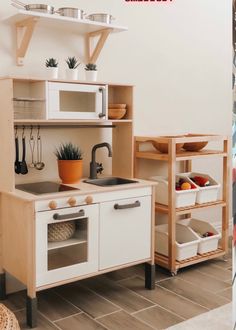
x: 183, y: 197
x: 205, y: 194
x: 186, y: 241
x: 206, y: 244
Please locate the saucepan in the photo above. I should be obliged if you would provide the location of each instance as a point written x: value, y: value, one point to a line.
x: 33, y: 7
x: 71, y: 12
x: 103, y: 18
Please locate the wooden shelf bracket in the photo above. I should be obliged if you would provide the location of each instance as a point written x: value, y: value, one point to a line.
x: 24, y: 32
x: 92, y: 56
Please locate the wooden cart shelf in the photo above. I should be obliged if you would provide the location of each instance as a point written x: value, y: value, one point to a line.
x: 184, y: 210
x: 142, y: 151
x: 164, y: 261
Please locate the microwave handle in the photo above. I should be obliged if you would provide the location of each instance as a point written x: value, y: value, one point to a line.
x: 103, y: 91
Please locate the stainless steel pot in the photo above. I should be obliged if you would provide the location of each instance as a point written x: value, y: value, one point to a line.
x: 42, y: 8
x: 71, y: 12
x: 103, y: 18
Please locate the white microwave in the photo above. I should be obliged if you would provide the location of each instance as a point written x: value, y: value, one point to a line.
x: 76, y: 101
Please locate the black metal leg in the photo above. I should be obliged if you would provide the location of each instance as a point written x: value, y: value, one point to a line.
x: 3, y: 294
x: 150, y: 276
x: 31, y: 312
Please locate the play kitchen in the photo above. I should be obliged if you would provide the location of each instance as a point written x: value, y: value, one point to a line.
x: 71, y: 12
x: 70, y: 229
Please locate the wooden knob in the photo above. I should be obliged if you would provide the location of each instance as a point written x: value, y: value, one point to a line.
x: 89, y: 200
x: 52, y: 205
x: 72, y: 201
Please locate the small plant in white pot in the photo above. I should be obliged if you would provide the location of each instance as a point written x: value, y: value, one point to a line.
x: 72, y: 70
x: 52, y: 68
x: 91, y: 72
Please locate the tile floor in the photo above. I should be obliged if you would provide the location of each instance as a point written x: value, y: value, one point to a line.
x: 118, y: 300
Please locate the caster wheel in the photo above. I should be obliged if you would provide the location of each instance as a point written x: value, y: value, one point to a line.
x: 225, y: 258
x: 174, y: 273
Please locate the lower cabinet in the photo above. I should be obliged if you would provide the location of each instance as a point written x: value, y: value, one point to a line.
x: 76, y: 241
x: 125, y: 231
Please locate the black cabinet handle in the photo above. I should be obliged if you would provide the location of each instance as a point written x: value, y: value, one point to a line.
x: 127, y: 206
x: 71, y: 216
x: 103, y: 91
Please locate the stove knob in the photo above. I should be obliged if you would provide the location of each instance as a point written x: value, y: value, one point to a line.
x: 72, y: 201
x: 89, y: 200
x: 52, y: 205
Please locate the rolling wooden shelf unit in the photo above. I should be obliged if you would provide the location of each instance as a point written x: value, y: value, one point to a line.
x: 186, y: 157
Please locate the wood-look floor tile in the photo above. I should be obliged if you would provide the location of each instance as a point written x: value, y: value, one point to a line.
x: 215, y: 271
x: 54, y: 307
x: 125, y: 273
x: 88, y: 301
x: 226, y: 293
x: 162, y: 274
x: 221, y: 263
x: 203, y: 280
x: 80, y: 321
x: 123, y: 321
x: 194, y: 293
x: 15, y: 301
x: 118, y: 294
x: 43, y: 323
x: 158, y: 317
x: 166, y: 299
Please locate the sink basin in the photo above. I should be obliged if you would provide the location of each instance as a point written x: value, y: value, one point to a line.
x: 112, y: 181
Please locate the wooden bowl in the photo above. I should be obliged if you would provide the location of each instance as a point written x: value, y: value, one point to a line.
x: 117, y: 106
x: 116, y: 113
x: 163, y: 147
x: 194, y: 146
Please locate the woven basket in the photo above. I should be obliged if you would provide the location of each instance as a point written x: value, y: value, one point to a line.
x: 8, y: 320
x: 61, y: 231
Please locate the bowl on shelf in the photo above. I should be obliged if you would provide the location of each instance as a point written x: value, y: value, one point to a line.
x: 116, y: 113
x: 117, y: 106
x: 194, y: 146
x: 163, y: 147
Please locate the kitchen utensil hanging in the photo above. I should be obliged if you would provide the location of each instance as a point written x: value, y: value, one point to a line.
x: 17, y: 162
x: 23, y: 165
x: 39, y: 164
x: 71, y: 12
x: 42, y: 8
x: 32, y: 148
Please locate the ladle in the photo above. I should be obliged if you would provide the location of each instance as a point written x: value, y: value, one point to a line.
x: 32, y: 147
x: 39, y: 164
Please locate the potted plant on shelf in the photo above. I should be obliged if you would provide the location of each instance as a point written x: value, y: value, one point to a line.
x: 91, y: 72
x: 52, y: 68
x: 72, y: 70
x: 70, y: 163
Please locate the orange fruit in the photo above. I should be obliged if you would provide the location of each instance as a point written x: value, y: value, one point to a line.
x: 185, y: 186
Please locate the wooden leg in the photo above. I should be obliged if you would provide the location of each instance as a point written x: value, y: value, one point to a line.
x: 31, y: 312
x: 3, y: 295
x: 150, y: 271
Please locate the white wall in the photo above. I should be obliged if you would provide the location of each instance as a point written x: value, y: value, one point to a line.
x: 177, y: 54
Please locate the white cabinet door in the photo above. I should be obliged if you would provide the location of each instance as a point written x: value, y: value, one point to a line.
x: 75, y: 256
x: 125, y: 231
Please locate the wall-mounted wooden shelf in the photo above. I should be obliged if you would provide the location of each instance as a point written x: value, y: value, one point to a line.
x: 64, y: 122
x: 26, y: 21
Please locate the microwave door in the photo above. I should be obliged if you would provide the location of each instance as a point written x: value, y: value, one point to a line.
x: 74, y: 101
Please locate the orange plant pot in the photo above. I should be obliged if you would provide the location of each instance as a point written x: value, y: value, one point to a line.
x: 70, y: 171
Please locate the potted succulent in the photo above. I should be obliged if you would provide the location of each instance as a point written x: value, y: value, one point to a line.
x: 72, y: 70
x: 52, y: 68
x: 70, y: 163
x: 91, y: 72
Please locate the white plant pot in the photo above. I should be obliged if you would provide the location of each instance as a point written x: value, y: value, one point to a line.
x: 52, y: 72
x: 91, y: 75
x: 72, y: 74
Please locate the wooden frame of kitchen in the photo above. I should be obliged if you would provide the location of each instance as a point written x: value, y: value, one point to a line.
x: 25, y: 217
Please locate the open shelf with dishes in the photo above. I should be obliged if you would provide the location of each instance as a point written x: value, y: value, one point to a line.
x: 175, y: 153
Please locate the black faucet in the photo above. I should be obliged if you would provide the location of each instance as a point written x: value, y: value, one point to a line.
x: 94, y: 166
